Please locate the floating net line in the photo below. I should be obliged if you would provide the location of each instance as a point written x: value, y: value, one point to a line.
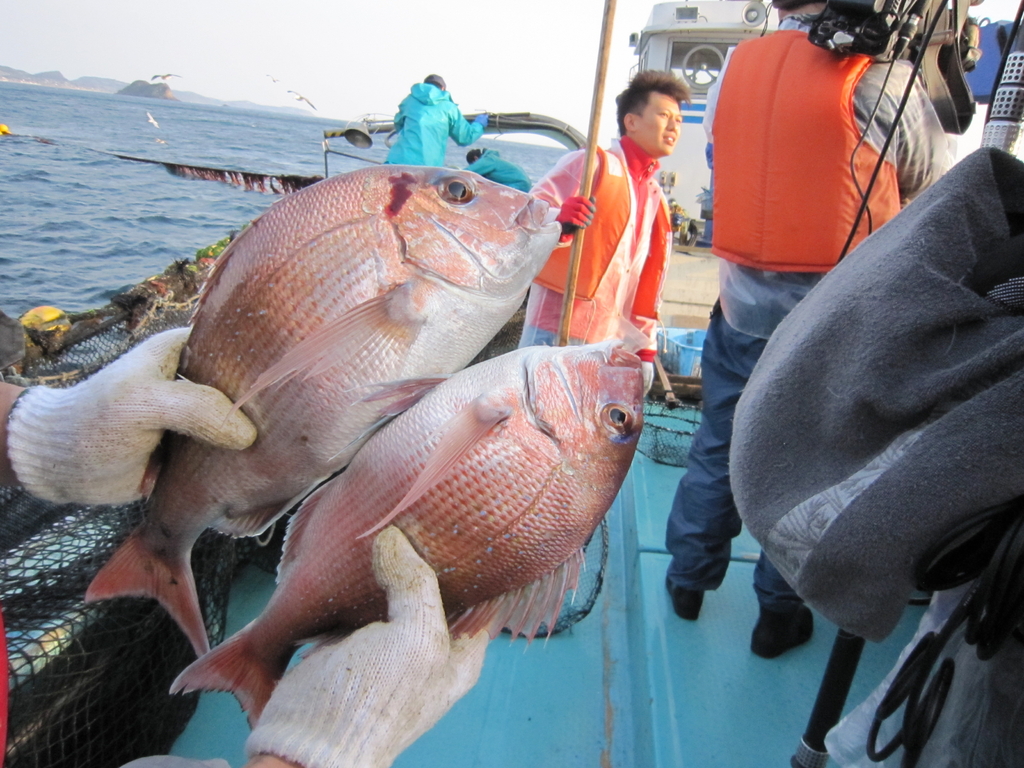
x: 88, y: 684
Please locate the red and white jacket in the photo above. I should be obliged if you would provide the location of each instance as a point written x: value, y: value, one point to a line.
x: 625, y: 251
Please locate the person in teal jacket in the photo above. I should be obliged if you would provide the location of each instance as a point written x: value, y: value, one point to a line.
x: 488, y: 163
x: 425, y: 120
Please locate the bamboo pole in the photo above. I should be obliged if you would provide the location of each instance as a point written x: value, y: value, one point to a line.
x: 588, y: 169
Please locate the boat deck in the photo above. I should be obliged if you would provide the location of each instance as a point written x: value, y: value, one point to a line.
x: 630, y: 685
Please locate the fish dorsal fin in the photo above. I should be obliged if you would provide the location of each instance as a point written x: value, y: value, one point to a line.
x: 461, y: 433
x: 369, y: 328
x: 297, y: 526
x: 523, y: 610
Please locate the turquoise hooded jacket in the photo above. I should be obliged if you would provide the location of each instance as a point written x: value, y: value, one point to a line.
x: 425, y: 120
x: 491, y: 166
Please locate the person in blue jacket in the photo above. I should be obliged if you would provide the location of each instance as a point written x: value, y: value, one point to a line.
x: 488, y: 163
x: 425, y: 120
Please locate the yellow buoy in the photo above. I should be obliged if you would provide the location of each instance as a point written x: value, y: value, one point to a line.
x: 4, y: 130
x: 46, y: 319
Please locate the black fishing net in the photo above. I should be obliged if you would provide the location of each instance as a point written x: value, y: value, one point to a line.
x: 668, y: 431
x: 88, y: 683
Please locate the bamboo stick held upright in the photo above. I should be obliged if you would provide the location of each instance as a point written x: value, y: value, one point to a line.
x: 588, y: 170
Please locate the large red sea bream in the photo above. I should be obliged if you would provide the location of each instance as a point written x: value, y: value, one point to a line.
x: 498, y: 477
x: 389, y: 273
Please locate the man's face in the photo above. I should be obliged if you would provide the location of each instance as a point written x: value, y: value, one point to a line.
x: 656, y: 129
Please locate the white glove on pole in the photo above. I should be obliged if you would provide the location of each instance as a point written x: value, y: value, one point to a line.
x: 91, y: 443
x: 358, y: 702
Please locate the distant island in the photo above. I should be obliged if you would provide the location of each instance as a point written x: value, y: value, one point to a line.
x: 149, y: 90
x: 138, y: 88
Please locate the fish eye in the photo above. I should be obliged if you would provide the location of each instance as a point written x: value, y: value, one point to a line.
x: 617, y: 418
x: 456, y: 191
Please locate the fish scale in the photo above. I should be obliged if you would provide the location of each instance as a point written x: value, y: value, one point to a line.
x: 329, y: 294
x: 520, y: 457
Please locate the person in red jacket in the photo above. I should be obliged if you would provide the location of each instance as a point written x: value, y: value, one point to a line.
x: 629, y: 236
x: 795, y: 132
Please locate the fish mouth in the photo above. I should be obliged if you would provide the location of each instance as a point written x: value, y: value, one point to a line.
x: 620, y: 356
x: 533, y: 217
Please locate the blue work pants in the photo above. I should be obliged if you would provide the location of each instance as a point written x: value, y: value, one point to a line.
x: 703, y: 520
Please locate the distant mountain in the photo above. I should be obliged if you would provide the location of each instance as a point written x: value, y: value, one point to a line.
x: 106, y: 85
x: 195, y: 98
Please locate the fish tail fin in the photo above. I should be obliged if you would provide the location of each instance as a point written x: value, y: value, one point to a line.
x: 234, y: 666
x: 135, y: 570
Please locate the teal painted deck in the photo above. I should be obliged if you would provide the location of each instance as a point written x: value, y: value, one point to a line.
x: 630, y: 685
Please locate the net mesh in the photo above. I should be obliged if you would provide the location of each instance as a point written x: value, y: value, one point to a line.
x: 89, y: 683
x: 668, y: 431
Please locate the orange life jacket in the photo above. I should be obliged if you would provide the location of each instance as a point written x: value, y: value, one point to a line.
x: 784, y: 132
x: 602, y: 239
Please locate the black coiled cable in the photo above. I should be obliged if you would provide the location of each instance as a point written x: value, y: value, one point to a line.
x: 988, y: 549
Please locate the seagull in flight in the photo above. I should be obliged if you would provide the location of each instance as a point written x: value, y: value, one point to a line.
x: 273, y: 79
x: 300, y: 97
x: 153, y: 120
x: 162, y: 77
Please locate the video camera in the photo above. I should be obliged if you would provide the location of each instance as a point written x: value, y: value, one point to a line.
x: 870, y: 27
x: 894, y: 29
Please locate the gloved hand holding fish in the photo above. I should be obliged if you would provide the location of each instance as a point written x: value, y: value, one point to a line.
x: 92, y: 443
x: 382, y: 275
x: 498, y: 477
x: 359, y: 702
x: 363, y: 700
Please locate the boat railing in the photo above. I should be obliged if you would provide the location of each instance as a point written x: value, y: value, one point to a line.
x: 360, y: 133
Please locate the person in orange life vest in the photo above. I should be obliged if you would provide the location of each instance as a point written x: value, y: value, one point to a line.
x: 785, y: 119
x: 629, y: 240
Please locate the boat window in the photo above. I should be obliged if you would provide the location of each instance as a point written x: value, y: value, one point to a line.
x: 686, y: 13
x: 698, y: 64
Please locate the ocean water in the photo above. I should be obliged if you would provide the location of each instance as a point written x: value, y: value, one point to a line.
x: 78, y: 225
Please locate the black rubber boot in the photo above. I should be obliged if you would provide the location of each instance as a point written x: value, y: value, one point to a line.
x: 776, y: 632
x: 685, y: 602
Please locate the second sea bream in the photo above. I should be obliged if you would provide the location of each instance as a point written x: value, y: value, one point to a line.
x: 497, y: 477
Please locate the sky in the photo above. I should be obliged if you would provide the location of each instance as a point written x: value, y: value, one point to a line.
x: 348, y: 58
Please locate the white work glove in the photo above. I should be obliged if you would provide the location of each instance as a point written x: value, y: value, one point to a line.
x: 358, y: 702
x: 648, y: 371
x: 91, y: 443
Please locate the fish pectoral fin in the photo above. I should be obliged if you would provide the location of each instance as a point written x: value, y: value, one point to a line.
x: 252, y: 523
x: 297, y: 525
x: 461, y: 433
x: 373, y: 328
x: 407, y: 392
x: 522, y: 610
